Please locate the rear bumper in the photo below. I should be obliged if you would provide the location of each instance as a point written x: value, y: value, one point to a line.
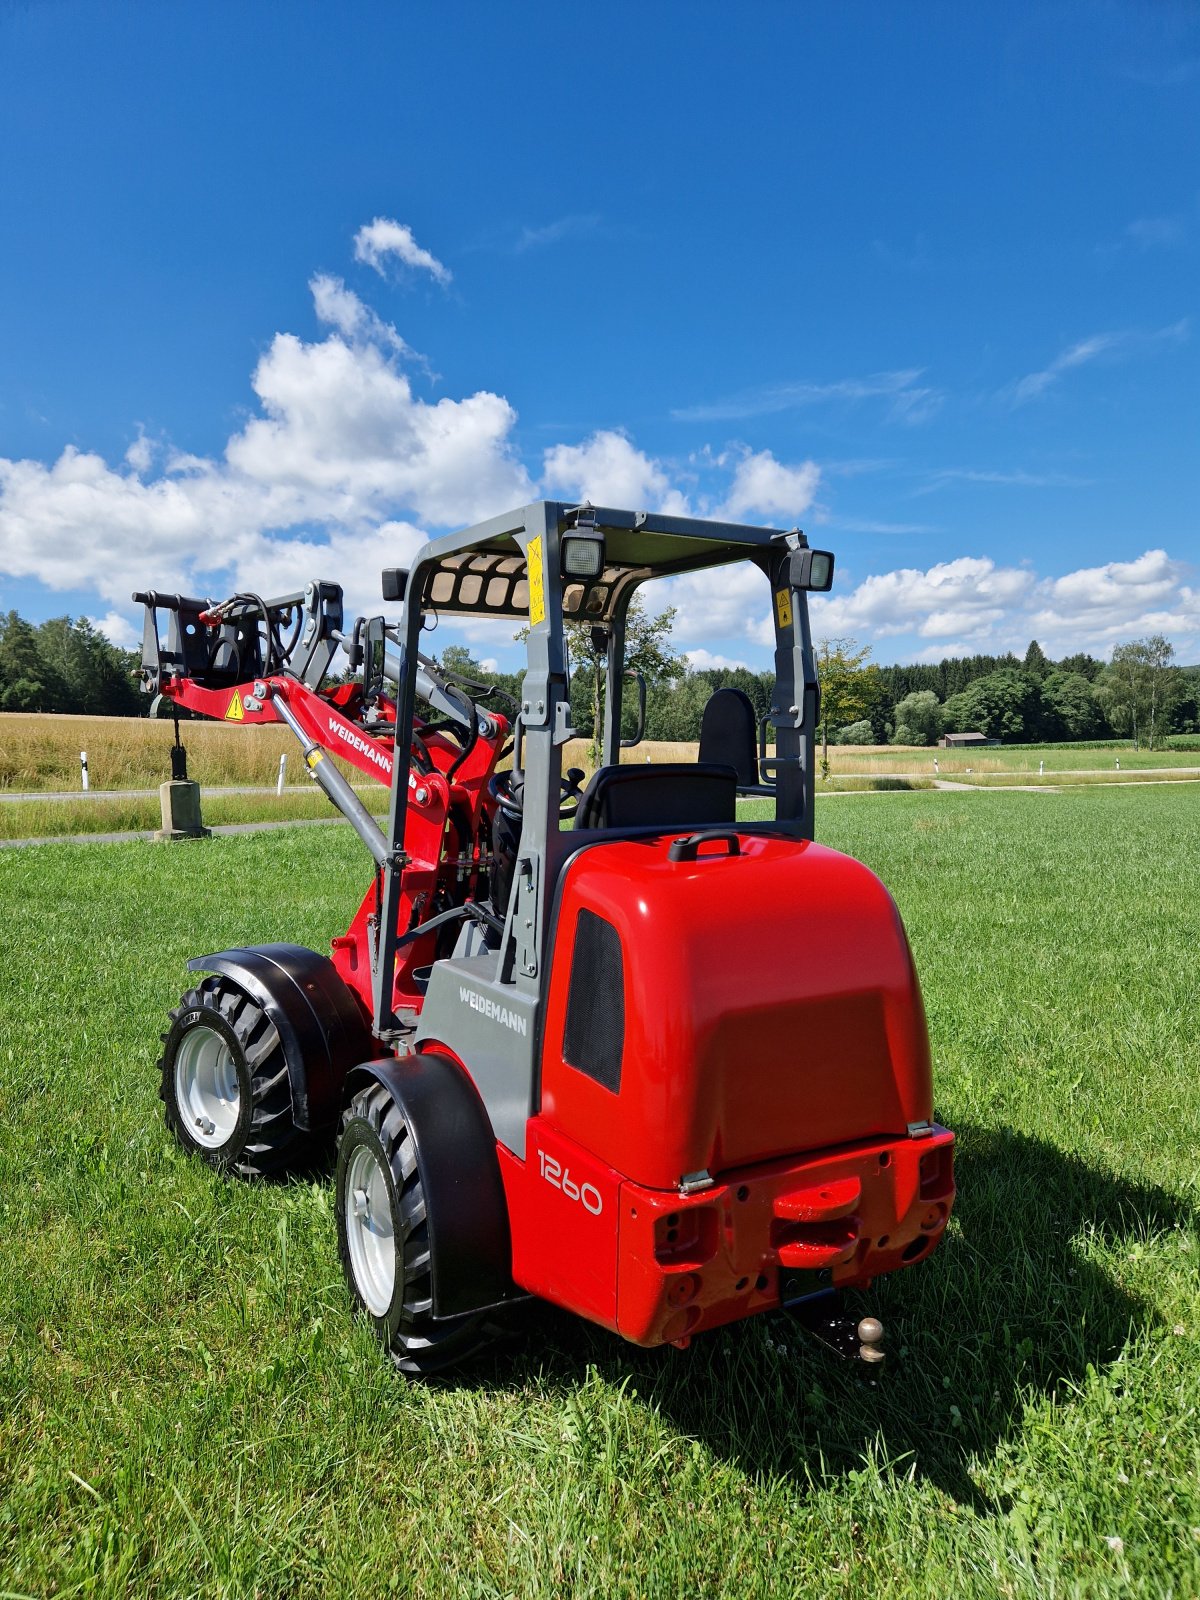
x: 768, y: 1234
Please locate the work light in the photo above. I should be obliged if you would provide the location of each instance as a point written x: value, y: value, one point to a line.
x: 582, y: 554
x: 812, y: 569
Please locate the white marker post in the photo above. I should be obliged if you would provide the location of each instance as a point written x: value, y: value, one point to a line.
x: 1041, y: 768
x: 83, y: 772
x: 282, y: 770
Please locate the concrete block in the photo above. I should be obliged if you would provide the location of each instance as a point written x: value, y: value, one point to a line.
x: 181, y: 812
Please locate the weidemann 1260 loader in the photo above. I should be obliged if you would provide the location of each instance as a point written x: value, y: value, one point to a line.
x: 604, y: 1044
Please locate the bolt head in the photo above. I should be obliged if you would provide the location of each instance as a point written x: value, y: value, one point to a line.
x: 421, y: 796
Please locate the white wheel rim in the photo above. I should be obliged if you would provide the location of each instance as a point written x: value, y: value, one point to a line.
x: 207, y: 1087
x: 370, y: 1231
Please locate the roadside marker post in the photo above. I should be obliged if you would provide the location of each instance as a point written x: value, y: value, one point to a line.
x: 83, y: 771
x: 282, y: 770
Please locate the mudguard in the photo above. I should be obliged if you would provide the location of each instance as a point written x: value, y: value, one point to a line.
x: 321, y: 1028
x: 467, y: 1217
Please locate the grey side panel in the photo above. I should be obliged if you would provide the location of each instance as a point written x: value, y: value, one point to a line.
x: 492, y: 1028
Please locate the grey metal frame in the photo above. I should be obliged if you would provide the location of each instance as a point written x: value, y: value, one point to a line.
x: 508, y: 982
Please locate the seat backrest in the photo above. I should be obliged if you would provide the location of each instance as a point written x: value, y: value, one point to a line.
x: 728, y: 731
x: 670, y: 795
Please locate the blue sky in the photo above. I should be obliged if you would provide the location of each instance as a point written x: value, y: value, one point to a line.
x: 283, y: 288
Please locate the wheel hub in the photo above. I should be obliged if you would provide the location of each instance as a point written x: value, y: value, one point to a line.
x: 370, y: 1230
x: 207, y: 1087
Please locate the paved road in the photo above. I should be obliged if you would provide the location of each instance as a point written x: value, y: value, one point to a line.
x: 152, y: 794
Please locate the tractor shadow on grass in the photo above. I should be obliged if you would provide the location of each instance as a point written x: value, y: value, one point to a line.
x: 1019, y: 1299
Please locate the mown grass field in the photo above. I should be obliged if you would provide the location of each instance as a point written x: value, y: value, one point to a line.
x: 186, y: 1407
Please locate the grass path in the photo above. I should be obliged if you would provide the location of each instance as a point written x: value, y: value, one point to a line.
x: 186, y: 1407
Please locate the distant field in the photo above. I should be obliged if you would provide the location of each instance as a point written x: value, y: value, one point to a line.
x: 186, y: 1407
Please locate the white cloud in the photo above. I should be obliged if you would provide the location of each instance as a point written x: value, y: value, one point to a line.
x: 117, y: 630
x: 375, y: 241
x: 701, y: 660
x: 609, y: 470
x: 569, y: 227
x: 140, y: 455
x: 964, y: 598
x: 909, y: 402
x: 1120, y: 600
x: 959, y: 607
x: 340, y: 445
x: 340, y: 308
x: 766, y: 486
x: 1085, y: 351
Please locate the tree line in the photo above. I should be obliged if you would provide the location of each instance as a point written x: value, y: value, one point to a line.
x: 1140, y: 694
x: 61, y: 665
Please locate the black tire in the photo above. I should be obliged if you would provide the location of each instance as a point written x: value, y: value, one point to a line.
x: 223, y: 1059
x: 374, y: 1131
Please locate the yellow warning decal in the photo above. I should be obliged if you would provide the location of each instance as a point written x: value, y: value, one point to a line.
x: 537, y: 581
x: 313, y: 757
x: 783, y: 607
x: 236, y: 711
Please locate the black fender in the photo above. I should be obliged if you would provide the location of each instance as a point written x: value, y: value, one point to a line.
x: 321, y: 1028
x: 470, y: 1247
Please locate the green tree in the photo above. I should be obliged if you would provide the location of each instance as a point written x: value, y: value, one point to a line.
x: 97, y: 677
x: 857, y: 733
x: 1004, y: 705
x: 1035, y: 664
x: 27, y: 681
x: 919, y: 718
x: 1138, y: 688
x: 1070, y: 709
x: 648, y: 650
x: 847, y: 685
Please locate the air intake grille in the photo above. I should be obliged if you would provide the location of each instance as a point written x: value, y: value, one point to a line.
x: 594, y: 1037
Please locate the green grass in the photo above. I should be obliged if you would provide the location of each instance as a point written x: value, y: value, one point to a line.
x: 187, y: 1408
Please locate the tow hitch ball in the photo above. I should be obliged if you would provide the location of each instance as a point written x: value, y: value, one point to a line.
x: 825, y: 1316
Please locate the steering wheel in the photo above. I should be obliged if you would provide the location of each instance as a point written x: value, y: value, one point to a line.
x: 510, y: 798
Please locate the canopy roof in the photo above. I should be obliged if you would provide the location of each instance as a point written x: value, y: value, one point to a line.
x: 481, y: 571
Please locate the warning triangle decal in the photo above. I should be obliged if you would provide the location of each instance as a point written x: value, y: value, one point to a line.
x: 236, y: 711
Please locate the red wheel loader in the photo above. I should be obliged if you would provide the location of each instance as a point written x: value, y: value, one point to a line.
x: 606, y: 1044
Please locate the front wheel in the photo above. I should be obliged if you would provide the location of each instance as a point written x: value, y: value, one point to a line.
x: 224, y: 1084
x: 383, y: 1239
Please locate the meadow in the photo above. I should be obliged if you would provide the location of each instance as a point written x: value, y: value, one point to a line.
x: 187, y: 1407
x: 41, y: 753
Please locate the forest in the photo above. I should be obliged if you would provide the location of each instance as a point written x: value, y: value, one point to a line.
x: 1141, y: 693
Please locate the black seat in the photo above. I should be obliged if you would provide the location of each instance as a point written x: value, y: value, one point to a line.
x: 671, y: 795
x: 728, y: 731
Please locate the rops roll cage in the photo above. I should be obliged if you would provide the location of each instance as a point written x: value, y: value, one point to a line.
x: 551, y: 561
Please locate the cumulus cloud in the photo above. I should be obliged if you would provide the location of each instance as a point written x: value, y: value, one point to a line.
x: 1120, y: 600
x: 117, y: 630
x: 609, y: 470
x: 769, y: 487
x: 701, y: 660
x: 959, y: 607
x: 382, y: 238
x: 312, y: 484
x: 340, y: 308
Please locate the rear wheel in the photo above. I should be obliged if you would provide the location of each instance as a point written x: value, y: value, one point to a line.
x: 225, y: 1085
x: 383, y: 1239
